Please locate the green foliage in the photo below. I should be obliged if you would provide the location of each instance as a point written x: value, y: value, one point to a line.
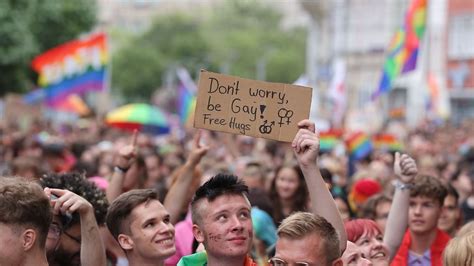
x: 137, y: 71
x: 30, y: 27
x: 56, y: 22
x: 231, y: 40
x: 138, y: 68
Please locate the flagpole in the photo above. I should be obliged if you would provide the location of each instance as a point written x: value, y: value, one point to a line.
x: 425, y: 62
x: 103, y: 103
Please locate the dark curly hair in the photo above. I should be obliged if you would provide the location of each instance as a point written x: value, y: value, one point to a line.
x: 78, y: 184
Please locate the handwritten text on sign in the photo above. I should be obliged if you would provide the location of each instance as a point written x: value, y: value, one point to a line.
x: 249, y: 107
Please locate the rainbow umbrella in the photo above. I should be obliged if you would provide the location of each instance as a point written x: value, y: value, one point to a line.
x: 140, y: 116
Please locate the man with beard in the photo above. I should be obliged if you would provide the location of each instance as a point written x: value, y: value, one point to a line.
x: 78, y: 241
x: 25, y: 216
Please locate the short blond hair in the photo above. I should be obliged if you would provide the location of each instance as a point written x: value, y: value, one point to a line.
x: 465, y: 229
x: 301, y: 224
x: 459, y: 251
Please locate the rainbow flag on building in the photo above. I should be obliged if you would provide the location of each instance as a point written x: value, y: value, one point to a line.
x: 402, y: 52
x: 186, y: 96
x: 358, y: 145
x: 387, y: 142
x: 75, y: 67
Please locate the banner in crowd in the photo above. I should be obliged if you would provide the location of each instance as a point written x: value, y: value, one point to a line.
x: 403, y: 49
x: 250, y: 107
x: 75, y: 67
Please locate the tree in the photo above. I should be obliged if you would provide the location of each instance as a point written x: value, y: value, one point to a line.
x: 233, y: 39
x: 30, y: 27
x: 245, y: 32
x: 139, y: 66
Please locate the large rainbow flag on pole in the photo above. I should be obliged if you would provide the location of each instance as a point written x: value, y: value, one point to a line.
x: 75, y: 67
x: 403, y: 49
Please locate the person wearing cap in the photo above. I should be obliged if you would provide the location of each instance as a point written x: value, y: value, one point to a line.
x: 361, y: 190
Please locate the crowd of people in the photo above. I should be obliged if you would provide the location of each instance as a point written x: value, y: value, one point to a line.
x: 85, y: 194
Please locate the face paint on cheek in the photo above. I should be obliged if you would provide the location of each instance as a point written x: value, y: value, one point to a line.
x: 215, y: 237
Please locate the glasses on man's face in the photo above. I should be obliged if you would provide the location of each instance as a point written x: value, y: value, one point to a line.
x: 54, y: 231
x: 76, y: 239
x: 279, y: 262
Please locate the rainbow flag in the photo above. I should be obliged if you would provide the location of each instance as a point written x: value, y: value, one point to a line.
x: 72, y: 104
x: 187, y: 96
x: 358, y: 145
x: 75, y: 67
x: 403, y: 49
x: 328, y: 140
x: 187, y: 104
x: 387, y: 142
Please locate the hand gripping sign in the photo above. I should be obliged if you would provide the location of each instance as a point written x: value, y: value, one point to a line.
x: 250, y: 107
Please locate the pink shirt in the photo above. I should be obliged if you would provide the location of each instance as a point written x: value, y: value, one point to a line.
x: 183, y: 240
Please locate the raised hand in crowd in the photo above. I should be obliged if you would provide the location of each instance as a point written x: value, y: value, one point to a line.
x: 198, y: 150
x: 406, y: 170
x: 123, y: 162
x: 306, y: 148
x: 306, y: 144
x: 65, y: 202
x: 185, y: 183
x: 128, y: 153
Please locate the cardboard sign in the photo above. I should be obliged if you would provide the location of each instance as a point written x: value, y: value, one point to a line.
x: 249, y: 107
